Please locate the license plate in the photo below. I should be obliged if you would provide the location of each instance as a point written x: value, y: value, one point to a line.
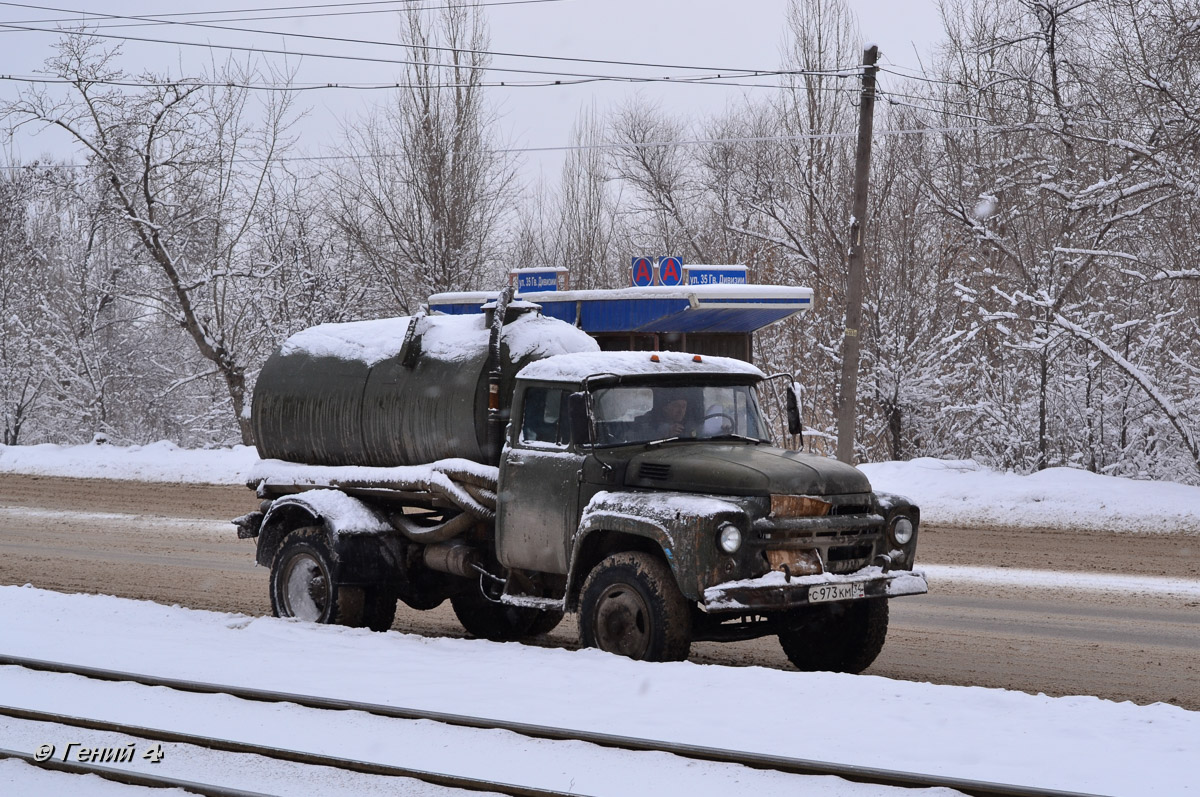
x: 821, y: 593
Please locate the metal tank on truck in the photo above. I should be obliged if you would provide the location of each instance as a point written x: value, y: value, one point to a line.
x: 502, y: 462
x: 395, y: 391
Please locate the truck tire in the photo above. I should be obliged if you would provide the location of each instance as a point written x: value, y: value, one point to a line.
x: 837, y: 637
x: 487, y: 619
x: 302, y: 583
x: 379, y: 608
x: 630, y: 605
x: 422, y: 602
x: 545, y: 622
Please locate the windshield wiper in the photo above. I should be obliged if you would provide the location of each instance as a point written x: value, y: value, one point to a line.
x: 729, y: 436
x: 732, y: 436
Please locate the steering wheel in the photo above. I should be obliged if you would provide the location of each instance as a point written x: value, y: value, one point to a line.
x: 725, y: 417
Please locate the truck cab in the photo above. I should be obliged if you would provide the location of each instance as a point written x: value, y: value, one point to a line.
x: 644, y: 491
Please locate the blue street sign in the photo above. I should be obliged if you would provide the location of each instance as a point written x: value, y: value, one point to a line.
x: 529, y: 280
x: 716, y: 275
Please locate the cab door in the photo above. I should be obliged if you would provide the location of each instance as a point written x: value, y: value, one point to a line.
x: 538, y: 508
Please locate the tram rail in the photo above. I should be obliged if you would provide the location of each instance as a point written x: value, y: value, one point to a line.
x: 796, y: 766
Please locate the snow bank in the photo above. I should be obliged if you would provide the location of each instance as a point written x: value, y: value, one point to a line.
x: 157, y: 462
x: 965, y: 493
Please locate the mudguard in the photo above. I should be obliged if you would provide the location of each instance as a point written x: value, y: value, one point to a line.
x: 342, y: 516
x: 662, y: 517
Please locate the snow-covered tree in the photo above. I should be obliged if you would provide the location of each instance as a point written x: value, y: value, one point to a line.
x: 185, y: 162
x: 427, y: 191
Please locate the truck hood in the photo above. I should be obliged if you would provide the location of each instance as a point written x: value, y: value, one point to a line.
x: 742, y: 469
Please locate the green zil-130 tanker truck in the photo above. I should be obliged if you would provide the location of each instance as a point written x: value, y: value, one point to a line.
x: 502, y: 461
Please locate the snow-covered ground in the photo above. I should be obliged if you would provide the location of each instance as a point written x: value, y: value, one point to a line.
x: 162, y: 461
x: 965, y: 493
x: 1074, y: 743
x: 1079, y: 744
x: 949, y: 492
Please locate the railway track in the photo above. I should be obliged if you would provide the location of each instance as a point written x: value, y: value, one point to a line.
x: 781, y: 764
x: 226, y: 746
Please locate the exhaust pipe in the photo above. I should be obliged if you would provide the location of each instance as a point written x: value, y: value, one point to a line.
x: 457, y: 559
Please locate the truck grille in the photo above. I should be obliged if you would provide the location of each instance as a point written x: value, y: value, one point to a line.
x: 848, y: 558
x: 654, y: 471
x: 845, y: 540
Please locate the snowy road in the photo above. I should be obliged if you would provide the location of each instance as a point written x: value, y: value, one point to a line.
x: 1127, y: 641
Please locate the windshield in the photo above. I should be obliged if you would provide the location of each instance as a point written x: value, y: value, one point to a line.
x: 642, y: 414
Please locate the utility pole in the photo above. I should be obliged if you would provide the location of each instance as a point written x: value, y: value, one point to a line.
x: 855, y: 268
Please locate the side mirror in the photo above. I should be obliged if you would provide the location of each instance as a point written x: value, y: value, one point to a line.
x: 581, y: 422
x: 794, y: 424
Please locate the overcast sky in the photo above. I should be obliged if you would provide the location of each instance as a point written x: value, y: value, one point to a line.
x: 741, y: 35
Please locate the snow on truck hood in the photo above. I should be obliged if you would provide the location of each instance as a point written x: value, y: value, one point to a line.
x: 578, y: 366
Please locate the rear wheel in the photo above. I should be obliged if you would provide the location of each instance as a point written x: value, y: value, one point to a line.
x: 630, y: 605
x: 302, y: 582
x: 304, y: 586
x: 499, y: 622
x: 836, y: 637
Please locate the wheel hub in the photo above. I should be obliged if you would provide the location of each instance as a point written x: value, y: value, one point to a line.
x: 306, y: 589
x: 622, y: 623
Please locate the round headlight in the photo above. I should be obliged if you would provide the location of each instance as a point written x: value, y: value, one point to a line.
x: 902, y: 530
x: 729, y: 538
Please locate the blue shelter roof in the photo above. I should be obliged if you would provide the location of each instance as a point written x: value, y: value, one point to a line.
x: 664, y: 310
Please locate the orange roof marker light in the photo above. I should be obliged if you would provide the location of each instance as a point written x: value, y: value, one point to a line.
x: 697, y: 359
x: 653, y: 358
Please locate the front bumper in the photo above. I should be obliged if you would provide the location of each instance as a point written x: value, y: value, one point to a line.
x: 775, y: 591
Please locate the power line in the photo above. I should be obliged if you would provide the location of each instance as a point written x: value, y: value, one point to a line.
x: 995, y: 93
x: 150, y: 20
x: 961, y: 84
x: 615, y: 145
x: 887, y: 95
x: 161, y: 19
x: 249, y: 10
x: 314, y: 85
x: 291, y: 87
x: 920, y: 75
x: 352, y: 86
x: 370, y: 59
x: 719, y: 140
x: 749, y: 72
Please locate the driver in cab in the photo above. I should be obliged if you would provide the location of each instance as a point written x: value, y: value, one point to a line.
x: 668, y: 418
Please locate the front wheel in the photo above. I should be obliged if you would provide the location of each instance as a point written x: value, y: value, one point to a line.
x: 630, y: 605
x: 303, y: 583
x: 836, y: 637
